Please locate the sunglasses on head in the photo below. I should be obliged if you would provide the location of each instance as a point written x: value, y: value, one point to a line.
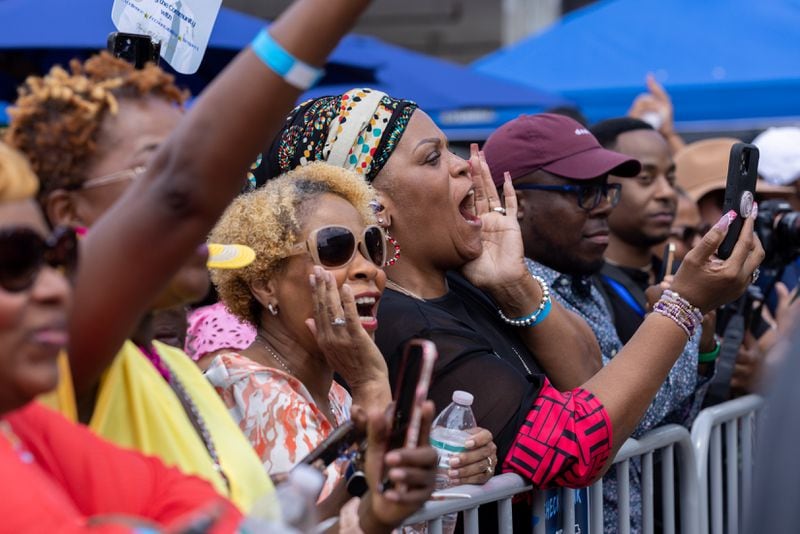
x: 335, y: 246
x: 23, y: 253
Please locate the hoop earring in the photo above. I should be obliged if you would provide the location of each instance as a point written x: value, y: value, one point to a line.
x: 272, y: 309
x: 396, y: 256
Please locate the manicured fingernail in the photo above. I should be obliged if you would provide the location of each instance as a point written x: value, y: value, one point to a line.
x: 454, y: 461
x: 470, y: 443
x: 754, y: 213
x: 453, y: 473
x: 725, y: 221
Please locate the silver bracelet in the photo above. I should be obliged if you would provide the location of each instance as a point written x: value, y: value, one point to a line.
x: 539, y: 314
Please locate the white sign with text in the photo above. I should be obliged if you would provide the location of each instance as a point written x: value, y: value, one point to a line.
x: 183, y: 27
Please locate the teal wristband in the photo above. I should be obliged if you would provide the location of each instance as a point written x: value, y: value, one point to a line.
x: 708, y: 357
x: 539, y: 314
x: 296, y: 73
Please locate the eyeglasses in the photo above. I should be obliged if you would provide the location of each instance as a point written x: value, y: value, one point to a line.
x: 23, y: 253
x: 589, y: 196
x: 126, y: 174
x: 335, y: 246
x: 688, y: 234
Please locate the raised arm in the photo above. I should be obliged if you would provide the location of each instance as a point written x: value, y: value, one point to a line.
x: 564, y: 345
x: 627, y: 385
x: 135, y: 248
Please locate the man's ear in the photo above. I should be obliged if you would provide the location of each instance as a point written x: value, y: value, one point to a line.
x: 61, y: 210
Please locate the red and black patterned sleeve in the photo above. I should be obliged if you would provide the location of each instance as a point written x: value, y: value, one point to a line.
x: 564, y: 441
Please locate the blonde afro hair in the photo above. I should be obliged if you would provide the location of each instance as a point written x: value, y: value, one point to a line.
x: 270, y: 220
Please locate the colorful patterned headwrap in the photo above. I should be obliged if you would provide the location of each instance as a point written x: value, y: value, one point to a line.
x: 358, y: 130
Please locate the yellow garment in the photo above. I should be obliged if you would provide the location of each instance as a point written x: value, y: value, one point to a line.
x: 136, y: 408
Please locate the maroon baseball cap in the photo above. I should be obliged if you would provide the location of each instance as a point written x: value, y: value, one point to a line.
x: 555, y: 143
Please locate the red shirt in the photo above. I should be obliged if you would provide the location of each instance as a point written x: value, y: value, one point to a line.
x: 564, y: 441
x: 57, y: 475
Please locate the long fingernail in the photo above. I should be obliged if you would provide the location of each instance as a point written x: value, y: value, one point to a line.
x: 754, y: 213
x: 725, y: 221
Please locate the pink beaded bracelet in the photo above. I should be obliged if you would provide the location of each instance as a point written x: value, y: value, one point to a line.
x: 677, y: 308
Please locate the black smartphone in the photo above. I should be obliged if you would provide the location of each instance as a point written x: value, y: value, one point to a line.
x: 410, y: 392
x: 740, y: 191
x: 338, y: 442
x: 134, y: 48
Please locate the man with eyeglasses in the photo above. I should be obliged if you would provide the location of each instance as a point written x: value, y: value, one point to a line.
x: 561, y: 175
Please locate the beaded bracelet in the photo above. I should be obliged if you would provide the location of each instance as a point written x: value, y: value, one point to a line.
x: 294, y: 71
x: 710, y: 356
x: 679, y: 309
x: 539, y: 314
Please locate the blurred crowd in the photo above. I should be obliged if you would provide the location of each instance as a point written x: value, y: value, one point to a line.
x: 206, y: 314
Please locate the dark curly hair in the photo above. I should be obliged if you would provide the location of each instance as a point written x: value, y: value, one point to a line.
x: 56, y: 118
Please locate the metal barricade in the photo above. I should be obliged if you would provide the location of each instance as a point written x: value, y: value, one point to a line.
x: 499, y: 489
x: 664, y: 441
x: 734, y: 422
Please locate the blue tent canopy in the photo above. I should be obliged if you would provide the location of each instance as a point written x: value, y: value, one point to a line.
x: 720, y: 60
x: 465, y: 103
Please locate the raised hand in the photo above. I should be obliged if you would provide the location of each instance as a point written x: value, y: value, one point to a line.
x: 412, y: 470
x: 709, y: 282
x: 502, y: 261
x: 348, y: 348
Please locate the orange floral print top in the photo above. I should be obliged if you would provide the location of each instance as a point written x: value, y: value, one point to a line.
x: 277, y: 413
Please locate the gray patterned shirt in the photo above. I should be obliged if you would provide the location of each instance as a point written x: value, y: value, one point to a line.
x: 677, y: 401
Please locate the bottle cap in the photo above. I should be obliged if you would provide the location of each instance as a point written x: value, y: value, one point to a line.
x: 307, y: 479
x: 463, y: 398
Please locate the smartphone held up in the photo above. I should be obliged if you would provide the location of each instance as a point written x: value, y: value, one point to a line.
x: 740, y: 191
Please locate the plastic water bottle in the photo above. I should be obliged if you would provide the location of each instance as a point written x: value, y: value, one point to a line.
x: 449, y: 434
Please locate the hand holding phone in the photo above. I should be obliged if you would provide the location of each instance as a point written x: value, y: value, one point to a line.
x: 410, y: 392
x: 740, y: 191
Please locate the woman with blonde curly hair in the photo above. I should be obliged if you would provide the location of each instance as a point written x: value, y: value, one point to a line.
x: 312, y: 295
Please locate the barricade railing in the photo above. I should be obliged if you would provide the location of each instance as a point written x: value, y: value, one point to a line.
x: 725, y: 473
x: 664, y: 441
x: 499, y: 489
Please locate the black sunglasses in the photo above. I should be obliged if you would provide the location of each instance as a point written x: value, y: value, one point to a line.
x: 589, y: 195
x: 335, y: 246
x: 23, y: 253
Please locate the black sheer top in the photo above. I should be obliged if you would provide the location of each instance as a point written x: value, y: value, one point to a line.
x: 478, y: 353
